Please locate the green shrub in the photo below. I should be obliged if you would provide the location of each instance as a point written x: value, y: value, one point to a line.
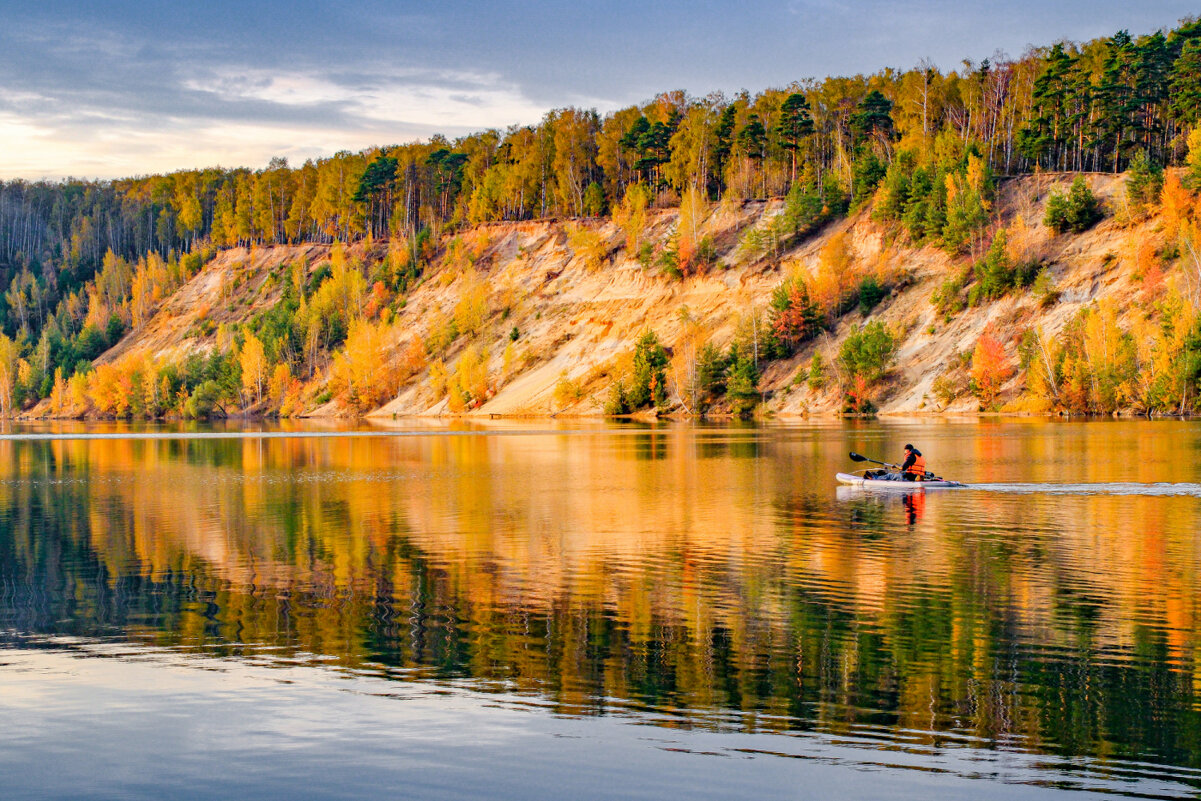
x: 742, y: 383
x: 649, y: 381
x: 646, y: 254
x: 871, y: 292
x: 1076, y: 212
x: 114, y: 330
x: 867, y: 172
x: 817, y: 372
x: 205, y: 400
x: 1144, y: 184
x: 594, y: 200
x: 996, y: 275
x: 946, y: 388
x: 618, y: 402
x: 867, y: 352
x: 948, y: 299
x: 90, y: 343
x: 711, y: 370
x: 895, y: 189
x: 319, y: 275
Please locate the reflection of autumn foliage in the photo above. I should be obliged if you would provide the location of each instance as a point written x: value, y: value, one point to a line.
x: 557, y: 570
x: 990, y: 368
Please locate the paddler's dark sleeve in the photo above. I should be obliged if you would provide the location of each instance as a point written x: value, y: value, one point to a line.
x: 909, y: 460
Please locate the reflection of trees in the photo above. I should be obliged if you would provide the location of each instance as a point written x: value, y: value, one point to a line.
x: 700, y: 580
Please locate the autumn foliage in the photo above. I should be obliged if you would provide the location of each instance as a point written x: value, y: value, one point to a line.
x: 990, y: 368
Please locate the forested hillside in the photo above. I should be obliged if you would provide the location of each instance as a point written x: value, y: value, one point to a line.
x: 920, y: 153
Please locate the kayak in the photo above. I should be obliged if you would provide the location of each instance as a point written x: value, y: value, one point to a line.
x: 855, y: 480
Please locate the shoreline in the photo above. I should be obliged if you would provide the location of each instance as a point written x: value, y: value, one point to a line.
x: 648, y: 417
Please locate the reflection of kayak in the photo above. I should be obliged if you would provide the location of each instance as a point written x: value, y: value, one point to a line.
x: 859, y: 480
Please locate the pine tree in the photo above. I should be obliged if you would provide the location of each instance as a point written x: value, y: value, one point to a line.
x: 1114, y: 100
x: 872, y: 117
x: 1043, y: 137
x: 795, y: 126
x: 1185, y: 87
x: 1144, y: 183
x: 723, y: 136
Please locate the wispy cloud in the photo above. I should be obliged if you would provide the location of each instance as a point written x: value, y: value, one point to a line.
x: 425, y: 97
x: 142, y: 110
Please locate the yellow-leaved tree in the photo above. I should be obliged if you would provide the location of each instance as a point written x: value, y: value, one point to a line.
x: 469, y: 386
x: 110, y: 388
x: 631, y: 216
x: 363, y: 369
x: 694, y: 208
x: 9, y: 357
x: 472, y: 309
x: 835, y: 275
x: 254, y: 367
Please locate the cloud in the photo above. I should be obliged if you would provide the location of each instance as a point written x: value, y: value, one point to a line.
x: 108, y: 107
x: 433, y: 98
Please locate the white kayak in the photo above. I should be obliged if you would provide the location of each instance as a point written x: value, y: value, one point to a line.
x: 857, y: 480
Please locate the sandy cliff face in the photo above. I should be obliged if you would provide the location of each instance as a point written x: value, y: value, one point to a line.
x: 578, y: 309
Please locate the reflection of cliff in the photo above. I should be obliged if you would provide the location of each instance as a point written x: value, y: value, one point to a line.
x: 688, y: 570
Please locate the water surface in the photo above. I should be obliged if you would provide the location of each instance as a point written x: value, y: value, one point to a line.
x: 600, y: 611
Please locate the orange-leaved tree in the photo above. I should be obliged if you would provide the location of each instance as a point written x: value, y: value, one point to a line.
x: 990, y: 368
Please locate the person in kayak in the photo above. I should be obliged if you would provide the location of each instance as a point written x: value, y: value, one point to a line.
x: 914, y: 466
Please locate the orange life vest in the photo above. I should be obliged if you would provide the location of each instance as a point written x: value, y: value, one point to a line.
x: 918, y: 468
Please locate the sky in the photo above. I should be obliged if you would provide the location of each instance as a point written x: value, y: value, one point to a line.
x: 97, y: 89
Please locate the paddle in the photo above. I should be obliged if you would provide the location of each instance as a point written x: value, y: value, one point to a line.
x: 856, y: 457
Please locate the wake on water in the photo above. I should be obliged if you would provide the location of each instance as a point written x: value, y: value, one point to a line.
x: 1108, y: 488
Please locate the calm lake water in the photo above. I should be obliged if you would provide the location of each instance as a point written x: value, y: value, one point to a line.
x: 678, y: 611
